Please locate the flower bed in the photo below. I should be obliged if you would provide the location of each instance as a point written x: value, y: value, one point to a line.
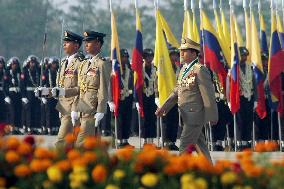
x: 24, y: 165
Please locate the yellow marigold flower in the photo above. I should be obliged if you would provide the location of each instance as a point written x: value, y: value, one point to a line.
x: 111, y: 186
x: 186, y: 178
x: 149, y: 180
x: 46, y: 184
x: 189, y: 186
x: 118, y: 174
x: 247, y: 187
x: 99, y: 173
x: 201, y: 183
x: 22, y: 170
x: 75, y: 184
x: 2, y: 182
x: 12, y: 143
x: 54, y: 174
x: 79, y: 169
x: 12, y: 157
x: 228, y: 178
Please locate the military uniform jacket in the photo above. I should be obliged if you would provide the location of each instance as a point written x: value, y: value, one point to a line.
x: 67, y: 78
x: 30, y: 80
x: 93, y: 82
x: 150, y: 81
x: 195, y: 96
x: 12, y: 81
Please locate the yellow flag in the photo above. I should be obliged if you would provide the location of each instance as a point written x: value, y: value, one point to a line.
x: 222, y: 40
x: 166, y: 75
x: 226, y: 31
x: 171, y: 39
x: 238, y: 33
x: 248, y: 36
x: 187, y: 26
x: 255, y: 54
x: 196, y: 36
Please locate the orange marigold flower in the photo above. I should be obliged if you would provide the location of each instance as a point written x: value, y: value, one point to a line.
x: 40, y: 165
x: 12, y: 143
x: 260, y: 147
x: 125, y: 154
x: 70, y: 138
x: 271, y: 146
x: 90, y: 142
x: 73, y: 154
x: 22, y: 170
x: 99, y: 173
x: 147, y: 157
x: 24, y: 149
x: 12, y: 157
x: 2, y: 182
x: 63, y: 165
x: 79, y: 162
x: 41, y: 153
x: 90, y: 157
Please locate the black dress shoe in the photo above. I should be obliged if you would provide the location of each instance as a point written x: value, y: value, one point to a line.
x: 16, y: 132
x: 173, y: 147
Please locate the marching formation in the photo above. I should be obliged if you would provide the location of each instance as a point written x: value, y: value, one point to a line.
x: 197, y: 91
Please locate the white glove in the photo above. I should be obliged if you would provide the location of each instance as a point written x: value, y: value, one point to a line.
x: 157, y: 102
x: 74, y: 117
x: 25, y: 100
x: 7, y: 100
x: 98, y: 117
x: 111, y: 106
x: 57, y: 94
x: 137, y: 106
x: 254, y: 105
x: 44, y: 91
x: 36, y: 91
x: 44, y: 101
x: 59, y: 114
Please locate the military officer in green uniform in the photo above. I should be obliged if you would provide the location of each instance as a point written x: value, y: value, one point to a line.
x: 195, y: 96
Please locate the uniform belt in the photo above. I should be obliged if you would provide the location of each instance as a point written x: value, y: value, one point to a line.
x: 14, y: 89
x: 31, y: 88
x: 91, y: 88
x: 219, y: 96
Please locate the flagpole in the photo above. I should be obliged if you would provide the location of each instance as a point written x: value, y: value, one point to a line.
x: 253, y: 120
x: 185, y: 4
x: 138, y: 111
x: 158, y: 119
x: 280, y: 131
x: 115, y: 117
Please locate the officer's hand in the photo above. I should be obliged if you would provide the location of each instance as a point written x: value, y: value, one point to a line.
x: 44, y: 101
x: 157, y: 102
x: 7, y: 100
x: 74, y: 117
x: 160, y: 112
x: 98, y: 116
x: 137, y: 106
x: 25, y: 100
x: 59, y: 114
x: 111, y: 106
x: 56, y: 92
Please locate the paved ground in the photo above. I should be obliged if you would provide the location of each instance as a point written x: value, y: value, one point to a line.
x: 48, y: 141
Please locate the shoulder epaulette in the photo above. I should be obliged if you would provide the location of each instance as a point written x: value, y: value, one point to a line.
x: 80, y: 56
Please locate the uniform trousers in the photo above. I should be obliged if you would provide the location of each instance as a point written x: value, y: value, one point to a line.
x: 171, y: 124
x: 124, y: 118
x: 87, y: 128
